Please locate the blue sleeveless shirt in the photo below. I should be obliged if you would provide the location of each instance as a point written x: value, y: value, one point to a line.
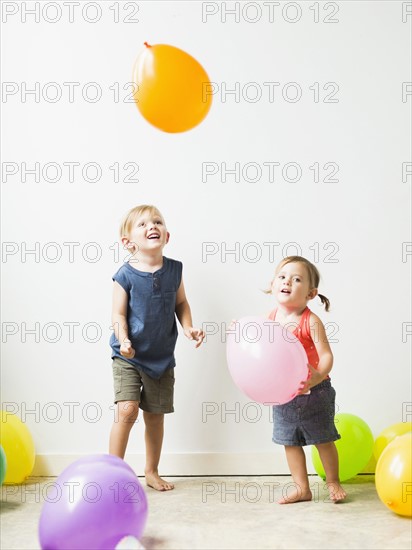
x: 150, y: 316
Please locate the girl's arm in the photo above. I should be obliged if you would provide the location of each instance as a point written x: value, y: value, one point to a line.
x: 119, y: 320
x: 324, y: 352
x: 184, y: 315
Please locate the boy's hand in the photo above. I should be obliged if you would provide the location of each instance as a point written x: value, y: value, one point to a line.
x: 231, y: 326
x: 313, y: 379
x: 126, y: 349
x: 195, y: 334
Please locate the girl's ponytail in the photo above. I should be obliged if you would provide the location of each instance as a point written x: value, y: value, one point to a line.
x: 324, y: 301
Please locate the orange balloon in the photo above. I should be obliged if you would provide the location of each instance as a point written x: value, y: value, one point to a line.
x: 173, y: 90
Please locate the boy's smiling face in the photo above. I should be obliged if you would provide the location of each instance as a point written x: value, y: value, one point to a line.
x: 148, y: 233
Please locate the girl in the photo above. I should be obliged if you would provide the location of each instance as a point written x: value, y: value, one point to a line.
x: 308, y: 418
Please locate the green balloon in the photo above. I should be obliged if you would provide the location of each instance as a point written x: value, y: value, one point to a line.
x: 3, y: 465
x: 355, y: 447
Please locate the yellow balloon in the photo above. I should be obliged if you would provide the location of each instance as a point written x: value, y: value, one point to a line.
x: 388, y: 435
x: 18, y: 446
x: 393, y: 475
x: 173, y: 92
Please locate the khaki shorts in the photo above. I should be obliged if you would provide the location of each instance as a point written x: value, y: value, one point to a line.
x: 132, y: 384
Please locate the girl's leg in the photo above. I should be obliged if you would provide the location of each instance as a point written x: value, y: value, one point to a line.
x: 330, y: 460
x: 297, y: 464
x: 154, y: 439
x: 126, y: 415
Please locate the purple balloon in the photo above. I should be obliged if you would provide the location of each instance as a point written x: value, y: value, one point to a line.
x: 95, y: 502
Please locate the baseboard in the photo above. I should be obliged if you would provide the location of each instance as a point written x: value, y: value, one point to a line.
x: 181, y: 464
x: 192, y: 464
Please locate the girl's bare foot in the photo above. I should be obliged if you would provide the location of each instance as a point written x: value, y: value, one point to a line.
x: 336, y: 491
x: 297, y: 495
x: 156, y: 482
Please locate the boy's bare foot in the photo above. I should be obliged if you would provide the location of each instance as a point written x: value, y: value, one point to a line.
x: 336, y: 491
x: 156, y: 482
x: 297, y: 495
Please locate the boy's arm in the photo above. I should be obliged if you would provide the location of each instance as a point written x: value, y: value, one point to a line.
x: 119, y: 320
x: 324, y: 352
x: 184, y: 315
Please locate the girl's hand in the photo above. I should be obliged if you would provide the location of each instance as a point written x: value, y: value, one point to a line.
x: 195, y: 334
x: 126, y: 349
x: 313, y: 379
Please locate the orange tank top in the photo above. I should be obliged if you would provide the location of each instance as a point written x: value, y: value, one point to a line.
x: 302, y: 333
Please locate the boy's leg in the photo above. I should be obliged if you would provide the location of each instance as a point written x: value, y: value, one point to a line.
x: 297, y: 464
x: 330, y: 460
x: 125, y: 416
x: 154, y: 438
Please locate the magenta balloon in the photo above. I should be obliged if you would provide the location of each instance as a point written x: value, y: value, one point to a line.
x: 266, y: 361
x: 95, y: 502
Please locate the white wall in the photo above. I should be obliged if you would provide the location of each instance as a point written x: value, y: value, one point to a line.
x: 365, y: 215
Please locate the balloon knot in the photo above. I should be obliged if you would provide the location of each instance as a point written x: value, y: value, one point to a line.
x: 147, y: 45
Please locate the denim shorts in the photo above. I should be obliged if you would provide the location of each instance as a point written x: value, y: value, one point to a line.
x: 307, y: 419
x: 132, y: 384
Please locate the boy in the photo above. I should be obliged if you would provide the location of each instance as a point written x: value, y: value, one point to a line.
x: 148, y: 292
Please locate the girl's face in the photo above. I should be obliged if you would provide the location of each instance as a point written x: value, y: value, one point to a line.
x: 291, y: 286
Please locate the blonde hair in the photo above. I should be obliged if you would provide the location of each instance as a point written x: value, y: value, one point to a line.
x: 131, y: 216
x: 312, y: 271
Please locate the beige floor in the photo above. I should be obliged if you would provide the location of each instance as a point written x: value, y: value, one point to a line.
x: 235, y: 512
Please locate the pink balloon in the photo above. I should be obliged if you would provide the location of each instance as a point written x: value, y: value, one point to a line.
x: 266, y: 361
